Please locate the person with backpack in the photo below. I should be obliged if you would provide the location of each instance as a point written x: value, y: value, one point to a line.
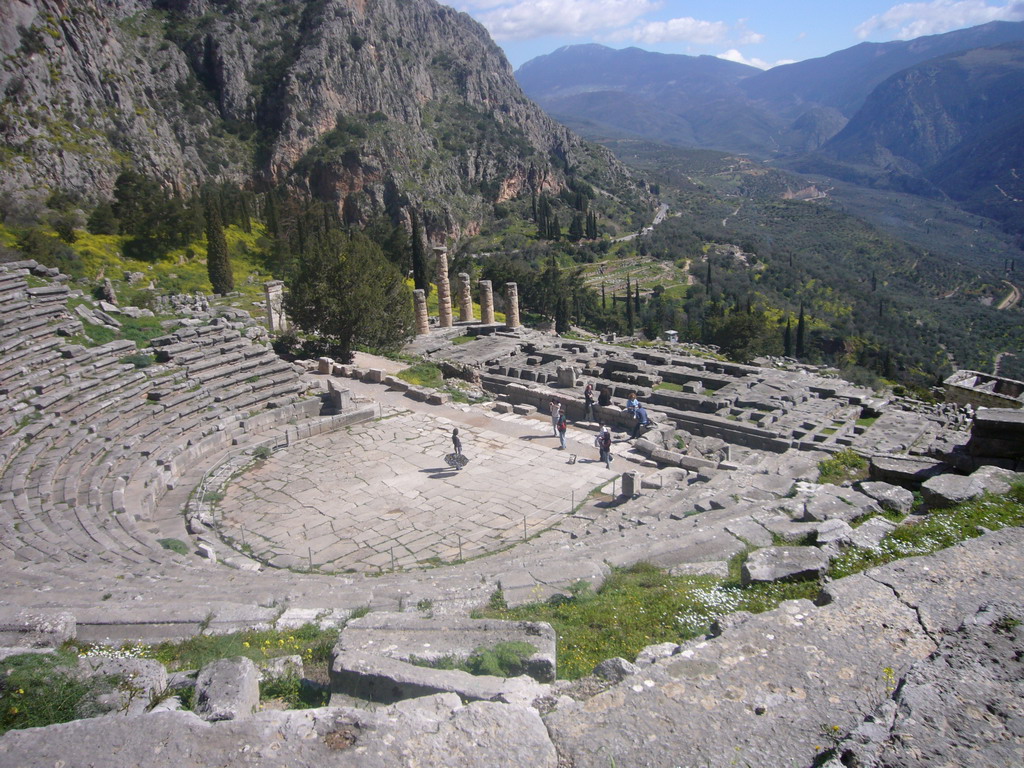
x: 561, y: 427
x: 603, y: 442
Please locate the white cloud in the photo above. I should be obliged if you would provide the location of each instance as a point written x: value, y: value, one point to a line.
x: 910, y: 20
x: 537, y: 18
x: 682, y: 30
x: 734, y: 55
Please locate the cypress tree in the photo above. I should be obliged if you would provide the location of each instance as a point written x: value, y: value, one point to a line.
x: 218, y: 264
x: 636, y: 299
x: 707, y: 283
x: 604, y: 301
x: 629, y: 307
x: 800, y: 333
x: 420, y: 274
x: 787, y: 339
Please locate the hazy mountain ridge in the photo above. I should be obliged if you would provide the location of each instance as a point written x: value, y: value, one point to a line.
x: 376, y: 105
x: 939, y: 115
x: 950, y: 126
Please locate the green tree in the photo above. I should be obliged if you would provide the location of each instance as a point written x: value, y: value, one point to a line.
x: 347, y: 291
x: 218, y: 264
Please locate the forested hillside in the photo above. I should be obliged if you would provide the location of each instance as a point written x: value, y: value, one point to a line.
x: 373, y: 107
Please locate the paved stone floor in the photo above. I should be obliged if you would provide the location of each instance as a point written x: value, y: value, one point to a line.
x: 379, y: 496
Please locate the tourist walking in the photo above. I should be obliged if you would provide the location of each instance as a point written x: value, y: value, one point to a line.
x: 556, y: 409
x: 561, y: 427
x: 603, y: 441
x: 456, y: 460
x: 588, y: 403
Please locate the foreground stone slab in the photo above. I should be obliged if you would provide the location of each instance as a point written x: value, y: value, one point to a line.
x: 427, y: 732
x: 757, y: 695
x: 760, y: 692
x: 955, y: 708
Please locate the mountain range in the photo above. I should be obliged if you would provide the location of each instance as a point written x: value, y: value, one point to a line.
x: 940, y: 116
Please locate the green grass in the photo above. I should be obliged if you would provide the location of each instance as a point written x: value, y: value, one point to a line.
x: 423, y: 375
x: 844, y: 465
x: 39, y: 689
x: 640, y: 606
x: 175, y: 545
x: 310, y: 642
x: 940, y: 529
x: 669, y: 385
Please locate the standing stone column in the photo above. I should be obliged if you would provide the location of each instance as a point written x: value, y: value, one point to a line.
x: 277, y: 321
x: 512, y: 308
x: 419, y: 300
x: 486, y: 302
x: 465, y: 299
x: 444, y: 289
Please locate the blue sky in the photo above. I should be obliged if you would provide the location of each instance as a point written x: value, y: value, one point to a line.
x: 763, y: 33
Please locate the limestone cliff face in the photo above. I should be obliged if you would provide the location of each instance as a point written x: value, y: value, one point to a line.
x: 374, y: 104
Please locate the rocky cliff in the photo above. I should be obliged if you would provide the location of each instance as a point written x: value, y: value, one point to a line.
x: 375, y: 105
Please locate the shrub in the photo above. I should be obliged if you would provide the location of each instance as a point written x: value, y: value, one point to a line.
x: 175, y: 545
x: 845, y: 465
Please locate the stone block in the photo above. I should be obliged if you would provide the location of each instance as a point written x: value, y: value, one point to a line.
x: 523, y: 410
x: 888, y: 496
x: 503, y: 407
x: 339, y: 396
x: 439, y: 398
x: 325, y: 365
x: 950, y: 490
x: 778, y: 563
x: 227, y: 689
x: 373, y: 376
x: 870, y: 533
x: 833, y: 533
x: 996, y: 479
x: 630, y: 484
x: 35, y: 628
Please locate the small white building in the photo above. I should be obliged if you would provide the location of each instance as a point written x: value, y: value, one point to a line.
x: 672, y: 336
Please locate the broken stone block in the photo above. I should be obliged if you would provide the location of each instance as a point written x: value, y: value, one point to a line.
x: 227, y: 689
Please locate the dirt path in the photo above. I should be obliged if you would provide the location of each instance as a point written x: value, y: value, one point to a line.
x: 1012, y: 299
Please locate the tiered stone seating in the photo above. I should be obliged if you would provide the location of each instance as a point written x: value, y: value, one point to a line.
x: 90, y: 444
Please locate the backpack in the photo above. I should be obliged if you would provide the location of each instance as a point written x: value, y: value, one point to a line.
x: 561, y: 423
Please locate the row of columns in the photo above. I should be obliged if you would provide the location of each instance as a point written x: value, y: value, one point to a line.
x: 444, y: 300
